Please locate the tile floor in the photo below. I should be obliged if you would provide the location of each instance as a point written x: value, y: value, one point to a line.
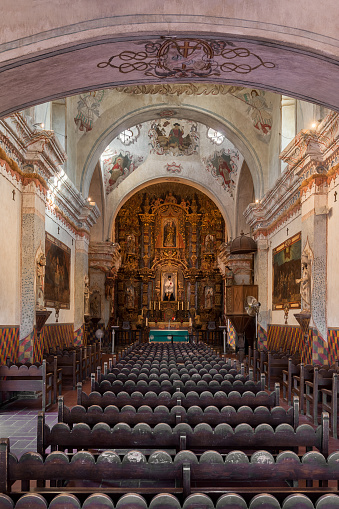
x: 18, y: 420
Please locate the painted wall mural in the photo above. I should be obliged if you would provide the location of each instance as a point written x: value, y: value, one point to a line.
x: 174, y: 137
x: 223, y: 166
x: 259, y: 110
x: 57, y: 275
x: 286, y: 260
x: 88, y: 110
x: 117, y: 166
x: 186, y: 58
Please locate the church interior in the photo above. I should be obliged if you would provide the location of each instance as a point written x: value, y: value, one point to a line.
x: 169, y: 197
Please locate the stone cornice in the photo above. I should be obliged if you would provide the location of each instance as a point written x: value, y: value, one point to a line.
x: 104, y: 256
x: 41, y: 154
x: 309, y: 152
x: 278, y: 205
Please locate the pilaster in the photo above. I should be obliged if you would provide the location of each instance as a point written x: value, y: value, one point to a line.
x: 33, y: 237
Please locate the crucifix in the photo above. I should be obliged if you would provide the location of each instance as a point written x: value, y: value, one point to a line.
x: 58, y: 230
x: 335, y: 196
x: 286, y: 231
x: 13, y: 193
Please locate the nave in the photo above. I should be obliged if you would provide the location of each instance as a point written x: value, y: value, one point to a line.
x: 149, y: 436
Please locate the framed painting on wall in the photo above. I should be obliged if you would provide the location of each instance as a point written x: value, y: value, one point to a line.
x: 57, y: 274
x: 286, y: 261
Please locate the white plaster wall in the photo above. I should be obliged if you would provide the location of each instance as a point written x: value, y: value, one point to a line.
x: 274, y: 145
x: 51, y: 226
x: 10, y: 241
x: 294, y: 226
x: 333, y: 258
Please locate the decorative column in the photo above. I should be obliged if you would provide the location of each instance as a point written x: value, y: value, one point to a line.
x: 305, y: 155
x: 104, y: 263
x: 33, y: 238
x: 80, y: 271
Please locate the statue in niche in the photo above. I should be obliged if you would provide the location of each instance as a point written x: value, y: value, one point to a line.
x: 130, y: 244
x: 40, y: 279
x: 170, y: 198
x: 209, y: 293
x: 169, y: 289
x: 194, y: 206
x: 147, y: 205
x: 170, y: 231
x: 109, y: 283
x: 209, y: 243
x: 305, y: 284
x: 129, y: 297
x: 87, y: 294
x: 95, y: 305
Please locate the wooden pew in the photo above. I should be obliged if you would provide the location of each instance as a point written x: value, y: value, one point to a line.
x: 274, y: 367
x: 172, y: 386
x: 292, y: 370
x: 70, y: 367
x: 194, y: 415
x: 167, y: 500
x: 205, y: 399
x: 202, y: 437
x: 184, y: 474
x: 322, y: 379
x: 24, y: 377
x: 330, y: 404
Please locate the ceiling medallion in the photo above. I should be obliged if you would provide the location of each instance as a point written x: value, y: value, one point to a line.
x: 186, y: 58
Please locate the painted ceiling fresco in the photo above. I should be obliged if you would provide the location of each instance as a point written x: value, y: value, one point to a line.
x: 168, y: 144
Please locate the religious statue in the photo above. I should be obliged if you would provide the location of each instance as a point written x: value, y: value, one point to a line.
x: 170, y: 198
x: 170, y: 233
x: 129, y: 297
x: 209, y: 243
x: 95, y: 305
x: 305, y: 284
x: 209, y: 297
x: 109, y: 284
x: 40, y: 279
x: 87, y: 294
x: 169, y: 288
x: 130, y: 244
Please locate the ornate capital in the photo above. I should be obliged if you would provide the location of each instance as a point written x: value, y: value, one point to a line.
x: 104, y: 256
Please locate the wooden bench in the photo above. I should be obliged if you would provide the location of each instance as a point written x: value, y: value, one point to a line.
x: 322, y: 379
x: 24, y: 377
x: 166, y: 500
x: 69, y: 365
x: 172, y: 386
x: 184, y: 474
x: 205, y: 399
x: 330, y: 404
x: 202, y: 437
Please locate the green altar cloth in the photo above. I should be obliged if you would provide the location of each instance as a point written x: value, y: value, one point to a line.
x: 166, y: 335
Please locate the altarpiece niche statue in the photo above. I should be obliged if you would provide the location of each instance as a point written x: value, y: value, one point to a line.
x: 40, y: 280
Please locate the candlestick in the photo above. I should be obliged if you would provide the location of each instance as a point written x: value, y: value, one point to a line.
x: 188, y: 305
x: 182, y: 305
x: 146, y: 321
x: 178, y: 305
x: 159, y: 305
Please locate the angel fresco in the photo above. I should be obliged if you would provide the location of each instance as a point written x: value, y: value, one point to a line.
x: 88, y: 110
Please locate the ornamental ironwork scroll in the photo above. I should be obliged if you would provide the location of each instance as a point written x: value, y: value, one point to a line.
x: 186, y: 58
